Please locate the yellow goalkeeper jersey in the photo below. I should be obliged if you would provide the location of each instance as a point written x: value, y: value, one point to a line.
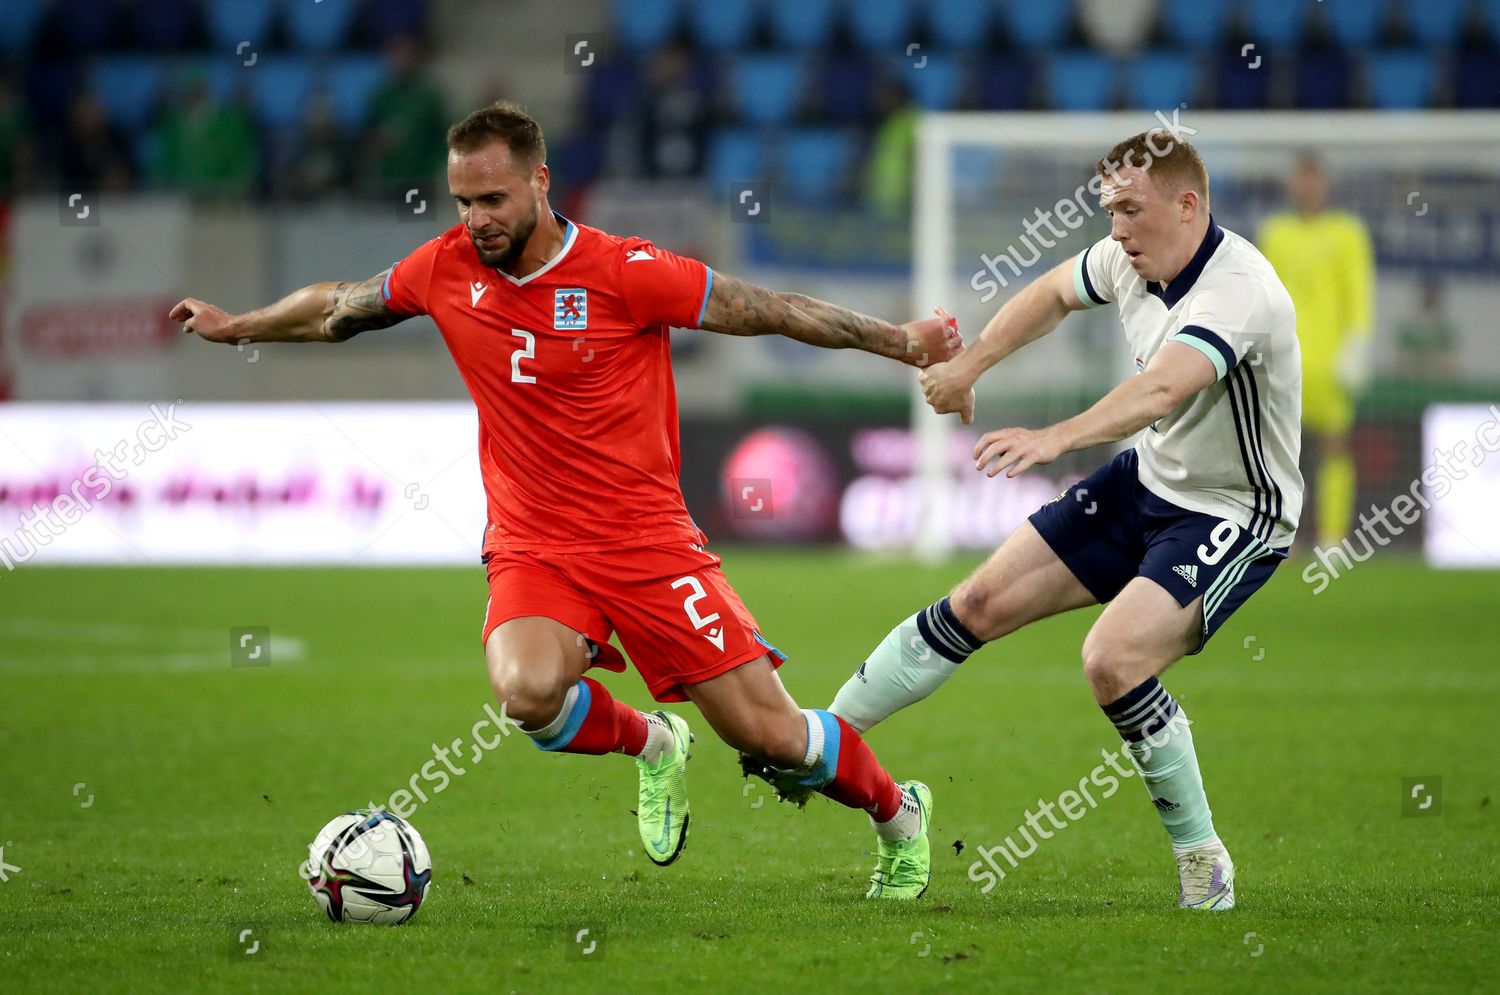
x: 1328, y: 266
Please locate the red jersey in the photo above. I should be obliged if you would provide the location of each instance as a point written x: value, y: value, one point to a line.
x: 571, y: 370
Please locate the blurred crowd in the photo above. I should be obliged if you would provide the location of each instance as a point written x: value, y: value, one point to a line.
x: 207, y: 145
x: 818, y: 96
x: 141, y: 95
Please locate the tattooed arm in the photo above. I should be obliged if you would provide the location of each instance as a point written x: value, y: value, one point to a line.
x: 322, y: 312
x: 738, y: 307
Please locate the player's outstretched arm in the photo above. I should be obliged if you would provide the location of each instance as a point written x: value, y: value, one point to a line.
x: 1175, y: 373
x: 1036, y: 310
x: 738, y: 307
x: 322, y: 312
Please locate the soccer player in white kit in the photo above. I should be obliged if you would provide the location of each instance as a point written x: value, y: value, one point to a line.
x: 1174, y: 533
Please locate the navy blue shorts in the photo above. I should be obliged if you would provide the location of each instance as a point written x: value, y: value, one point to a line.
x: 1109, y: 529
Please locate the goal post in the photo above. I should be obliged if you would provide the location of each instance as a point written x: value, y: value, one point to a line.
x: 1426, y: 186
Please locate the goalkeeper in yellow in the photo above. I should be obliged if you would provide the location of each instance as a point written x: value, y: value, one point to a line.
x: 1325, y: 260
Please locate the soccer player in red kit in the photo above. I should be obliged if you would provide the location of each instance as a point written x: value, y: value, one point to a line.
x: 561, y: 334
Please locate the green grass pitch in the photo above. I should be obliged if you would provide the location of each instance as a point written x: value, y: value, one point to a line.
x: 155, y: 801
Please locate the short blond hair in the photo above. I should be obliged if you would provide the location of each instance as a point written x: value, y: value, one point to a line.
x: 1172, y: 162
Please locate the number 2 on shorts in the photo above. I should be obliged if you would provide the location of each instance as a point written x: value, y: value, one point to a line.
x: 690, y: 603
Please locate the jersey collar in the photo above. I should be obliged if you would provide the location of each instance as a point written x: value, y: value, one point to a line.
x: 570, y: 235
x: 1183, y: 282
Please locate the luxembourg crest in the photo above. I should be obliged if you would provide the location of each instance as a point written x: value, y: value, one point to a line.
x: 570, y: 310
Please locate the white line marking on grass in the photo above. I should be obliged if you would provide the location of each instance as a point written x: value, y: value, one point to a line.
x: 54, y: 644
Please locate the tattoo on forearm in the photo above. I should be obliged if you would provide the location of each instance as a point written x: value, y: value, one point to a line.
x: 737, y: 307
x: 359, y: 307
x: 837, y: 327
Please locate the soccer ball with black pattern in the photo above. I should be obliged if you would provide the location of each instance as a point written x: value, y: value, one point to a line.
x: 369, y: 866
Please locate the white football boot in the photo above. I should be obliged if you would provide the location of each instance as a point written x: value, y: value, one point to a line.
x: 1205, y: 877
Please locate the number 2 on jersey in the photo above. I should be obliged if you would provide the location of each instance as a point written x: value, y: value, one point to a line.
x: 527, y: 351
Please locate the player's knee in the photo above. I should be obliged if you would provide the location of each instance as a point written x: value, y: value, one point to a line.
x: 532, y: 695
x: 987, y: 612
x: 1110, y: 664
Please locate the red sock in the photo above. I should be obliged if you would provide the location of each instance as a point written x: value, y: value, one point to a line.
x: 860, y: 781
x: 595, y: 723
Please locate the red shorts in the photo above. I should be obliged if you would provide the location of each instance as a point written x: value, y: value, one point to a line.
x: 676, y: 614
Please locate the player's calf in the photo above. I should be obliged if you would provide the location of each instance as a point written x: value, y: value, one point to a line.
x: 776, y: 740
x: 789, y: 760
x: 1024, y: 580
x: 837, y: 762
x: 749, y: 708
x: 577, y: 717
x: 1138, y: 636
x: 911, y: 662
x: 773, y: 747
x: 827, y: 756
x: 590, y: 720
x: 1159, y: 737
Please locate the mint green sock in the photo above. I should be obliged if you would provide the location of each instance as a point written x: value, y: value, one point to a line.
x: 1159, y: 737
x: 910, y: 663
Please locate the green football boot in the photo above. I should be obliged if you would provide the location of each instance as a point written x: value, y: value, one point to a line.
x: 904, y: 867
x: 663, y: 808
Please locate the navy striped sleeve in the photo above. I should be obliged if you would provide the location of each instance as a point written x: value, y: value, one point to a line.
x: 1212, y: 345
x: 1083, y: 286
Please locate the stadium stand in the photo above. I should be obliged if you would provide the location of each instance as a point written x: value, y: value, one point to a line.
x: 762, y: 67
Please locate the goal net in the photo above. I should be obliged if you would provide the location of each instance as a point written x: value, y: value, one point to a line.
x: 1000, y: 198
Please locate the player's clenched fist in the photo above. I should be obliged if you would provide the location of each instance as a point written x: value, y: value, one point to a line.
x: 1019, y: 446
x: 932, y: 340
x: 204, y: 319
x: 949, y: 390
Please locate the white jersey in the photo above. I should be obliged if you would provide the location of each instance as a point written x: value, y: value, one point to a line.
x: 1231, y: 450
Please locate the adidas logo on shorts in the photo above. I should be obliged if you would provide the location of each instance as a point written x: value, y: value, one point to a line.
x: 1188, y: 572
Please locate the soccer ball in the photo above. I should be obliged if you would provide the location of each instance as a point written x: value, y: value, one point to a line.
x: 368, y: 866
